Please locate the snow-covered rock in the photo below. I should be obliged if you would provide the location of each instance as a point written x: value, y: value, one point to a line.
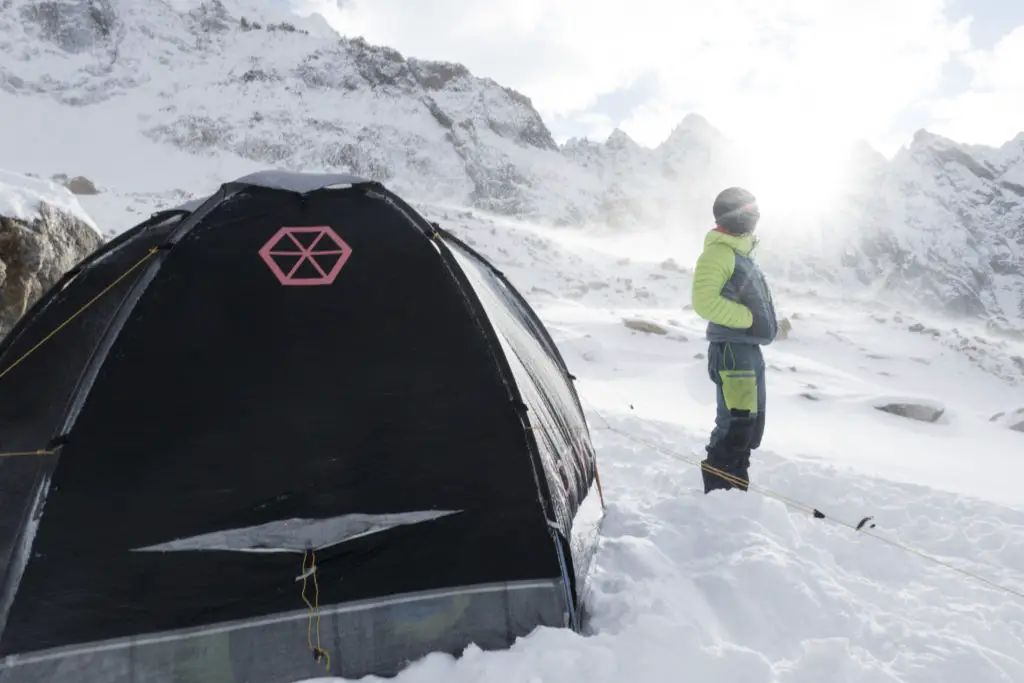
x: 948, y: 228
x: 671, y: 185
x: 218, y: 77
x: 1012, y: 420
x: 913, y: 410
x: 43, y: 233
x: 78, y: 184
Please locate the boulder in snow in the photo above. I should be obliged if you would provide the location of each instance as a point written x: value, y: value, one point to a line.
x: 784, y: 327
x: 915, y: 410
x: 645, y: 326
x: 1013, y: 420
x: 671, y: 264
x: 44, y: 232
x: 78, y: 184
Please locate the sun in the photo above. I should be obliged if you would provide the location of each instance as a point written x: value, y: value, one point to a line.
x: 802, y: 180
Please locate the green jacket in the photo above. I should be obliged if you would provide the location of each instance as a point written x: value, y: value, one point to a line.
x: 731, y: 293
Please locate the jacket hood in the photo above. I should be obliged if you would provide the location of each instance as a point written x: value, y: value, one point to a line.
x: 743, y: 244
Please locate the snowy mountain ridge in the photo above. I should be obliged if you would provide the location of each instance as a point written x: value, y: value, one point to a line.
x: 207, y: 88
x: 283, y: 97
x: 960, y: 243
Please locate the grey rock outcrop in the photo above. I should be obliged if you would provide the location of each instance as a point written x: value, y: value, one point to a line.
x: 913, y: 411
x: 1013, y: 420
x: 35, y: 254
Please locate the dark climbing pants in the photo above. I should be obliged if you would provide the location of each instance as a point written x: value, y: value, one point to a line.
x: 738, y: 373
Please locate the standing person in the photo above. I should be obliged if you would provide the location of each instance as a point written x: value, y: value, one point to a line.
x: 730, y: 292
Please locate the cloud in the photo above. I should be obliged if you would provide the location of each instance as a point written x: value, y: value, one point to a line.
x: 788, y: 71
x: 991, y: 111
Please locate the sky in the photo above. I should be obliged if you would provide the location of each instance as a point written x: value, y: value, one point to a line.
x: 808, y: 73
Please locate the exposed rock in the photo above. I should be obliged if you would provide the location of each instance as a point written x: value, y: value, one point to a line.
x: 39, y: 242
x: 672, y: 265
x: 644, y: 326
x: 77, y: 185
x: 81, y: 185
x: 1013, y: 420
x: 998, y: 330
x: 913, y: 411
x: 784, y: 328
x: 76, y: 26
x: 921, y: 329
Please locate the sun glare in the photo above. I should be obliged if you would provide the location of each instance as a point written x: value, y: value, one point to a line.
x: 798, y: 180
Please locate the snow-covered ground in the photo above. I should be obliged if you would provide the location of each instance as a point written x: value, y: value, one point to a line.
x: 725, y: 588
x: 742, y: 588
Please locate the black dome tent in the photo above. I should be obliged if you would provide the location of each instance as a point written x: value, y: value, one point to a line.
x: 293, y: 417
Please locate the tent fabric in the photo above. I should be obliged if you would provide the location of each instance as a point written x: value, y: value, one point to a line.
x: 409, y: 420
x: 300, y: 183
x: 362, y: 638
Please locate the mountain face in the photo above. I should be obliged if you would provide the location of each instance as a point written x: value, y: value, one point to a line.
x: 217, y: 77
x: 942, y: 224
x: 948, y: 227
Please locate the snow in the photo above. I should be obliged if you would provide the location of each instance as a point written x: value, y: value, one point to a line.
x: 22, y: 195
x: 182, y: 93
x: 728, y: 587
x: 739, y: 586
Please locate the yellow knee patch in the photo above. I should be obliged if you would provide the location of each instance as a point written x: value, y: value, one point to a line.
x: 739, y: 387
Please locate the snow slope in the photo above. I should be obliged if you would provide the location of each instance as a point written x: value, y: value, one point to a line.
x: 739, y: 587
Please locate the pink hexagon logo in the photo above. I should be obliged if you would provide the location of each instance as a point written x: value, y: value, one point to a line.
x: 306, y: 255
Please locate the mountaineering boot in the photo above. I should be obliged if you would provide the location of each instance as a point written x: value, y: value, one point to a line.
x: 735, y: 464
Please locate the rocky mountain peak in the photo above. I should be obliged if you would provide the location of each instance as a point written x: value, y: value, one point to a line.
x: 696, y: 124
x: 618, y: 139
